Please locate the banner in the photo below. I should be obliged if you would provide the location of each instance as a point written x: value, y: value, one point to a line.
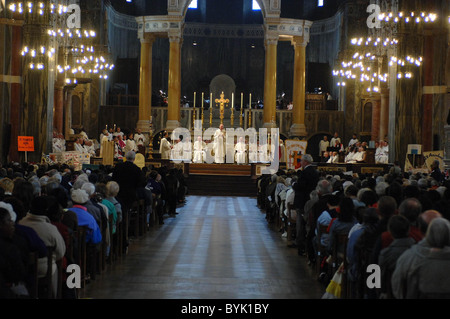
x: 430, y: 157
x: 294, y: 151
x: 25, y: 143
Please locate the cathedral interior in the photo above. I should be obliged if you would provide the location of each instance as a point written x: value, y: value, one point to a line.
x: 385, y: 65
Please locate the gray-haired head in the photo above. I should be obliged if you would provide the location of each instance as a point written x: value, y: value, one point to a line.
x: 307, y: 158
x: 130, y: 156
x: 438, y: 233
x: 112, y: 189
x: 324, y: 187
x: 89, y: 188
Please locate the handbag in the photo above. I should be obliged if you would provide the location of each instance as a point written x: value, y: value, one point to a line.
x: 334, y: 288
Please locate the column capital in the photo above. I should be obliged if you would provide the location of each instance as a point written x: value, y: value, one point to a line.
x: 300, y: 41
x: 175, y: 38
x: 271, y: 39
x: 147, y: 38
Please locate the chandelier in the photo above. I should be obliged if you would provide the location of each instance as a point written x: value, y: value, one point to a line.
x: 75, y: 49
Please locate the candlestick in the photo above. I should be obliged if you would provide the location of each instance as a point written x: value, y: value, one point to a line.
x: 203, y: 98
x: 250, y: 111
x: 242, y: 106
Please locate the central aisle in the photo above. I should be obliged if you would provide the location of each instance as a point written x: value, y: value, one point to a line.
x: 215, y: 248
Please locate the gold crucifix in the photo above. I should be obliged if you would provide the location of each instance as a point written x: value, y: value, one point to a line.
x: 222, y: 102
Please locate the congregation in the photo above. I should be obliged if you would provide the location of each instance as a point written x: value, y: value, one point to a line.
x: 343, y: 223
x: 44, y: 209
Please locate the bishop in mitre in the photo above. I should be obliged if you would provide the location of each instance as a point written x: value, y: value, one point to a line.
x: 219, y: 145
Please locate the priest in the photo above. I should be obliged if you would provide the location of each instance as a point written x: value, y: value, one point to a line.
x: 219, y: 145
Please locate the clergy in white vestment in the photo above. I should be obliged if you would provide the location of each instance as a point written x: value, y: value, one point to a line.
x: 177, y: 151
x: 130, y: 144
x: 252, y: 153
x: 140, y: 140
x: 219, y: 145
x: 263, y: 153
x: 165, y: 146
x: 240, y: 151
x: 187, y: 149
x: 199, y: 150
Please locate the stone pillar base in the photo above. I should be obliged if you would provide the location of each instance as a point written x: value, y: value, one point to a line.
x: 171, y: 125
x: 298, y: 130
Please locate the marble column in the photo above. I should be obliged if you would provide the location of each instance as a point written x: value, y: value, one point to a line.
x: 58, y: 114
x: 68, y: 110
x: 376, y: 107
x: 270, y: 82
x: 298, y: 128
x: 427, y: 99
x: 173, y: 115
x: 384, y: 113
x: 16, y: 87
x: 145, y: 86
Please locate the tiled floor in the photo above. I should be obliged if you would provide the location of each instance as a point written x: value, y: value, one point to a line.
x: 215, y: 248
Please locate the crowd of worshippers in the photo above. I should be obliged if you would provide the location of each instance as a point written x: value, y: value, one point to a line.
x: 42, y: 205
x: 396, y: 220
x: 335, y: 151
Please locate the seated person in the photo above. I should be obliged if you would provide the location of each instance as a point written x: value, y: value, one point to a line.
x: 351, y: 154
x: 325, y: 157
x: 360, y: 156
x: 334, y: 158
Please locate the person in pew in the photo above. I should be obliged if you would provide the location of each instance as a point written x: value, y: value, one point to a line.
x: 307, y: 181
x: 153, y: 184
x: 93, y: 234
x: 13, y: 270
x: 398, y: 227
x: 92, y: 208
x: 421, y: 272
x: 129, y: 177
x: 79, y: 199
x: 343, y: 222
x: 37, y: 219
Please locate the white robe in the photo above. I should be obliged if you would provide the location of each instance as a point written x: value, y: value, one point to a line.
x: 165, y: 148
x: 139, y: 139
x: 199, y: 151
x: 187, y: 151
x: 240, y: 148
x: 219, y: 146
x: 253, y: 153
x: 177, y: 152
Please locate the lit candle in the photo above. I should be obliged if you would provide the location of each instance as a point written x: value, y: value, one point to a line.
x: 203, y: 98
x: 242, y: 100
x: 195, y: 94
x: 210, y: 100
x: 250, y: 102
x: 232, y: 100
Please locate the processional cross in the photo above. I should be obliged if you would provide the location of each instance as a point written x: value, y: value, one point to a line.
x: 222, y: 102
